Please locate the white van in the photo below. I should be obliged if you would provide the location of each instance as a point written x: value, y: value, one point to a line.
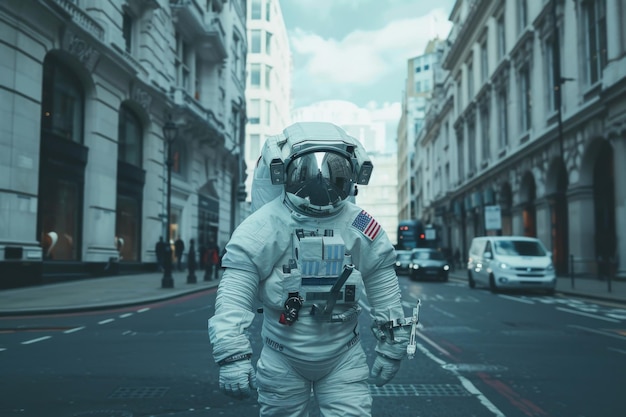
x: 510, y: 262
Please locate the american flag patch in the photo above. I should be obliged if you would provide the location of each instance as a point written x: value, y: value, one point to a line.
x: 366, y: 224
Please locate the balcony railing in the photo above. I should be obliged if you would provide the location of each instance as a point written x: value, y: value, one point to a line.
x: 80, y: 17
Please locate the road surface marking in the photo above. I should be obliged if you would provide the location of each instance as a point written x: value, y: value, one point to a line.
x: 28, y: 342
x: 587, y: 329
x: 521, y: 300
x: 467, y: 384
x: 123, y: 316
x: 106, y: 321
x: 75, y: 329
x: 593, y: 316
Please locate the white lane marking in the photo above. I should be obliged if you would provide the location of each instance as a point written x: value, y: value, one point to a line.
x: 433, y: 344
x: 622, y: 351
x: 75, y: 329
x: 587, y: 329
x: 106, y: 321
x: 593, y: 316
x: 469, y: 386
x: 123, y: 316
x: 445, y: 313
x: 39, y: 339
x: 143, y: 310
x: 1, y: 349
x: 521, y: 300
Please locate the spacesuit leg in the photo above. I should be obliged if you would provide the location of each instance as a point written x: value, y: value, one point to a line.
x: 345, y: 391
x: 282, y: 392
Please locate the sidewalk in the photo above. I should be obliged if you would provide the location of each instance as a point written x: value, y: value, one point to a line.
x: 97, y: 293
x: 125, y: 290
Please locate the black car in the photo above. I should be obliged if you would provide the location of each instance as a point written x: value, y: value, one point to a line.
x: 428, y: 264
x: 403, y: 259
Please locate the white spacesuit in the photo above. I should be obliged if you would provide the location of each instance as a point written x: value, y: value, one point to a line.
x: 307, y: 255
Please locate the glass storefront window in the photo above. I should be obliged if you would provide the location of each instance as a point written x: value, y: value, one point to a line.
x: 59, y: 219
x: 127, y: 228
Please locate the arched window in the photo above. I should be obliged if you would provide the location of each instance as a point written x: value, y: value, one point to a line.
x: 62, y: 162
x: 129, y: 137
x: 62, y: 101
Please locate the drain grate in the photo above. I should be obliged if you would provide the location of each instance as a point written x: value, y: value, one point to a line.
x: 419, y: 390
x: 139, y: 392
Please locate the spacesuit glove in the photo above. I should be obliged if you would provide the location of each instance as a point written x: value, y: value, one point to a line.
x: 383, y: 370
x: 238, y: 379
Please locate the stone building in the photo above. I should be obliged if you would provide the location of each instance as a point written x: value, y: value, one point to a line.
x: 268, y: 91
x: 529, y: 122
x: 86, y: 88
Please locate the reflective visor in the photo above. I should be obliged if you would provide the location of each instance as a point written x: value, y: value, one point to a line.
x: 323, y: 178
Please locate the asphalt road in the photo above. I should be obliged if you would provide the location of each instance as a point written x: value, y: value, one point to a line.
x: 479, y: 354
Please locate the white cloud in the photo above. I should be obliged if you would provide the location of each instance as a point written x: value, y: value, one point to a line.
x: 365, y: 57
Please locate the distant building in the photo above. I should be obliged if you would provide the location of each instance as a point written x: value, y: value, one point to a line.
x: 369, y: 126
x: 86, y: 92
x: 528, y: 122
x: 268, y: 91
x: 417, y: 93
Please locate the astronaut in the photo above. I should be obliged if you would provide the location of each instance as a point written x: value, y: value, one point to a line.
x: 307, y: 254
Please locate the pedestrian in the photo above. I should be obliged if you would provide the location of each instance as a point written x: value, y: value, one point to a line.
x: 159, y: 250
x: 307, y: 254
x: 212, y: 261
x: 179, y: 249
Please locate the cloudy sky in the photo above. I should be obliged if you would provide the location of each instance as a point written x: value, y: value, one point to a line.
x: 357, y: 50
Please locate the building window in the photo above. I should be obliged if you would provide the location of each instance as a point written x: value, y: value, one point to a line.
x: 234, y: 120
x: 268, y: 77
x: 525, y: 95
x: 256, y: 9
x: 485, y: 132
x: 503, y: 127
x: 128, y: 227
x: 255, y: 75
x: 62, y: 102
x: 549, y: 70
x: 178, y: 157
x: 596, y: 51
x: 418, y: 86
x: 460, y: 153
x: 268, y: 11
x: 129, y: 138
x: 470, y: 81
x: 183, y: 57
x: 471, y: 145
x: 501, y: 37
x: 255, y: 41
x: 127, y: 31
x: 522, y: 15
x: 268, y: 43
x: 418, y: 69
x: 254, y: 147
x: 254, y: 112
x: 268, y: 113
x: 484, y: 69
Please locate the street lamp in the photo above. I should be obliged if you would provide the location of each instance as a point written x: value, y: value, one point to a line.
x: 170, y: 131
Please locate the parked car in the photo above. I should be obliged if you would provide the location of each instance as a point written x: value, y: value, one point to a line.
x: 510, y: 262
x: 428, y: 264
x: 403, y: 259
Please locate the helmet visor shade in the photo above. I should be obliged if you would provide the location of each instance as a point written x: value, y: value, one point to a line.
x: 323, y: 178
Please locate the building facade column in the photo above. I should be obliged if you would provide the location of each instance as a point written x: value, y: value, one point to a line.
x: 581, y: 228
x: 544, y: 224
x: 619, y: 154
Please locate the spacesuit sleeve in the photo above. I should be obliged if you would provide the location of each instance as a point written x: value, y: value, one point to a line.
x: 383, y: 293
x: 233, y: 313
